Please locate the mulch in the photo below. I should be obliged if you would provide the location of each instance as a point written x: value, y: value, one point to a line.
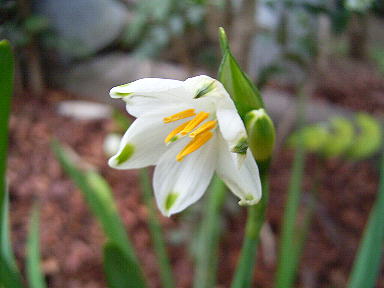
x: 71, y: 239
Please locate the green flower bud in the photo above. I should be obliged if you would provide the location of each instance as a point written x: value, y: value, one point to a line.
x: 261, y: 134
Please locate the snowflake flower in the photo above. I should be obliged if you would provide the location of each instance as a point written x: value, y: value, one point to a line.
x: 188, y: 130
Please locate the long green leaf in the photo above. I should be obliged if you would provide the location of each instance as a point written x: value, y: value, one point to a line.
x: 208, y: 237
x: 289, y: 243
x: 369, y: 256
x: 120, y: 270
x: 156, y: 232
x: 34, y: 274
x: 243, y: 92
x: 9, y: 274
x: 284, y: 276
x: 97, y: 193
x: 6, y: 90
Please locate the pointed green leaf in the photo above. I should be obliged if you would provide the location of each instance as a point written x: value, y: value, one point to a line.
x: 98, y: 196
x: 367, y: 264
x: 156, y: 232
x: 208, y: 237
x: 34, y: 273
x: 120, y: 270
x: 289, y: 248
x: 9, y: 274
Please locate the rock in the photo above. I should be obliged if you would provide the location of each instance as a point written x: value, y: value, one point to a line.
x: 83, y: 26
x: 93, y: 79
x: 84, y: 110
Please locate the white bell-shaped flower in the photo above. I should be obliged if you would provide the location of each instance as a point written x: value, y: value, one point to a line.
x: 188, y: 130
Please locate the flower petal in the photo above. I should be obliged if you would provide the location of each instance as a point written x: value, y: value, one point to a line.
x: 149, y: 94
x: 177, y: 185
x: 243, y: 181
x: 143, y: 143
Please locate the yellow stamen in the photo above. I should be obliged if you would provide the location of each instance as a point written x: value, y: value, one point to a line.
x: 194, y: 144
x: 194, y: 122
x: 181, y: 115
x: 205, y: 127
x: 175, y: 131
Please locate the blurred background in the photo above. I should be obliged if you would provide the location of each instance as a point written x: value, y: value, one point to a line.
x: 70, y: 53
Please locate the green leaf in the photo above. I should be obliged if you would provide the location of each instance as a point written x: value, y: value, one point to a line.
x: 340, y: 139
x: 120, y: 270
x: 156, y: 232
x: 208, y: 237
x: 366, y: 268
x: 290, y: 245
x: 369, y: 140
x: 36, y: 24
x: 6, y: 90
x: 97, y: 193
x: 243, y: 92
x: 9, y: 274
x: 34, y: 273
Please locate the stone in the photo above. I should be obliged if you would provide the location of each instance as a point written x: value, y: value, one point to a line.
x: 83, y: 27
x: 94, y: 78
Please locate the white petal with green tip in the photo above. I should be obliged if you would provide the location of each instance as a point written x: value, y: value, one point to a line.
x: 177, y: 185
x: 244, y: 181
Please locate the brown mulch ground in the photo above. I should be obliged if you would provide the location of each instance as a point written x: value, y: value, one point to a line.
x: 71, y: 239
x: 353, y: 84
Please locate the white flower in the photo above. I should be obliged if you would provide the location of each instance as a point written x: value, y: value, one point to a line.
x: 188, y: 129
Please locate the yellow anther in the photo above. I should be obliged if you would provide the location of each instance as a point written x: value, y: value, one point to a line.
x: 194, y: 122
x: 205, y: 127
x: 181, y: 115
x: 194, y: 144
x: 175, y: 131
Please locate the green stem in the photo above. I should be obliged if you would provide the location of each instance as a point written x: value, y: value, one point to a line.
x: 208, y: 238
x: 256, y: 215
x: 156, y: 232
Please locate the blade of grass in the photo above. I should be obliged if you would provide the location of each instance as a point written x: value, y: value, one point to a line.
x: 98, y: 196
x: 9, y: 274
x: 369, y: 256
x: 299, y: 241
x: 287, y: 261
x: 34, y: 274
x: 6, y: 90
x: 256, y: 216
x: 284, y: 275
x: 120, y: 270
x: 156, y: 232
x: 208, y: 237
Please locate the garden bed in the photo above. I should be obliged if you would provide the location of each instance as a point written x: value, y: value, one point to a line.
x: 71, y: 239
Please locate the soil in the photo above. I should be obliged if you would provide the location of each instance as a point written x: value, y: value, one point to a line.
x: 71, y: 239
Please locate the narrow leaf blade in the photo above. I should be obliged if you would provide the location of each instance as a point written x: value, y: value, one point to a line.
x: 119, y: 269
x: 98, y: 196
x: 369, y: 256
x: 34, y: 273
x: 9, y: 274
x: 156, y: 233
x: 208, y: 237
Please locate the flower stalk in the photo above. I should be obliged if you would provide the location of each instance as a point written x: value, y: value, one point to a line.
x: 256, y: 215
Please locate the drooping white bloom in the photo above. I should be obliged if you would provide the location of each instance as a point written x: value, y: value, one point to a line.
x: 188, y: 129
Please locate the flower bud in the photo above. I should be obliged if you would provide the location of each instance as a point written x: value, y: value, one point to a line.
x: 261, y: 134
